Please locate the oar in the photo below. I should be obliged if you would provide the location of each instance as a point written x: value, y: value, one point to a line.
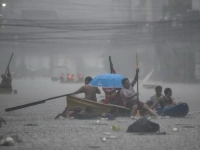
x: 9, y: 63
x: 110, y: 64
x: 137, y: 66
x: 34, y: 103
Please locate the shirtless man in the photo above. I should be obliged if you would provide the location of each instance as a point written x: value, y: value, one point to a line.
x: 90, y: 92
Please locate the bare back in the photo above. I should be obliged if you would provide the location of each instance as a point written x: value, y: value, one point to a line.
x: 90, y: 92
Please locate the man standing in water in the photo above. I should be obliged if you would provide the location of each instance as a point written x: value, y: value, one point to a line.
x: 90, y: 92
x: 129, y: 97
x: 6, y: 80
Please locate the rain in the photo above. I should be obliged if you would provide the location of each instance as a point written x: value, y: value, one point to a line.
x: 44, y: 40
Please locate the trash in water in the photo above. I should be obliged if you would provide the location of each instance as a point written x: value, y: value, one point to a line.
x: 104, y: 118
x: 188, y: 127
x: 112, y: 137
x: 86, y: 127
x: 100, y: 124
x: 175, y: 129
x: 107, y: 133
x: 103, y: 139
x: 95, y: 146
x: 165, y: 117
x: 183, y: 124
x: 115, y: 128
x: 134, y: 118
x: 30, y: 124
x: 121, y: 120
x: 98, y: 121
x: 8, y: 141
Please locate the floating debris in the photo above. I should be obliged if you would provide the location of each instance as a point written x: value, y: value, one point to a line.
x: 95, y: 146
x: 107, y: 133
x: 175, y: 129
x: 30, y: 125
x: 100, y: 124
x: 112, y: 137
x: 134, y: 118
x: 104, y: 118
x: 8, y: 141
x: 115, y: 128
x: 121, y: 120
x: 103, y: 139
x: 86, y: 127
x: 188, y: 127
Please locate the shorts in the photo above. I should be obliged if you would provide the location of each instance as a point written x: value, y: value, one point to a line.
x: 132, y: 103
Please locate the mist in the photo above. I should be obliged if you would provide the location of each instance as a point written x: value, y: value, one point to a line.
x: 81, y: 34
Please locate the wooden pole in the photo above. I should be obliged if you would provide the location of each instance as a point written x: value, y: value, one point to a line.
x: 9, y: 63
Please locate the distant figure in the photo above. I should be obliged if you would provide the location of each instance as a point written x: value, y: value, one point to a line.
x: 167, y: 100
x: 6, y: 80
x: 90, y: 92
x: 72, y: 77
x: 80, y: 77
x: 2, y: 121
x: 62, y: 78
x: 156, y: 98
x: 129, y: 97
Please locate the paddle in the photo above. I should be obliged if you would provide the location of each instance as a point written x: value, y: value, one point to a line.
x: 110, y: 64
x: 34, y: 103
x: 9, y: 63
x: 137, y: 75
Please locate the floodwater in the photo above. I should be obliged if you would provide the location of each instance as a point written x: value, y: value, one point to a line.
x: 75, y: 134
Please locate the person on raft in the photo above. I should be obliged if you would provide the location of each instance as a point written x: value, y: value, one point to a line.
x: 156, y: 98
x: 89, y: 91
x: 6, y: 80
x: 166, y: 100
x: 129, y: 97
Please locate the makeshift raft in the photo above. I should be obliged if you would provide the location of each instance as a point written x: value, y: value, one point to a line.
x: 98, y: 108
x: 180, y: 110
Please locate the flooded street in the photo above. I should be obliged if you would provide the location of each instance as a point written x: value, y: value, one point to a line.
x: 47, y: 133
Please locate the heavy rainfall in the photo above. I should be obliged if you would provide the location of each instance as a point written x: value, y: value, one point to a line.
x: 107, y: 74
